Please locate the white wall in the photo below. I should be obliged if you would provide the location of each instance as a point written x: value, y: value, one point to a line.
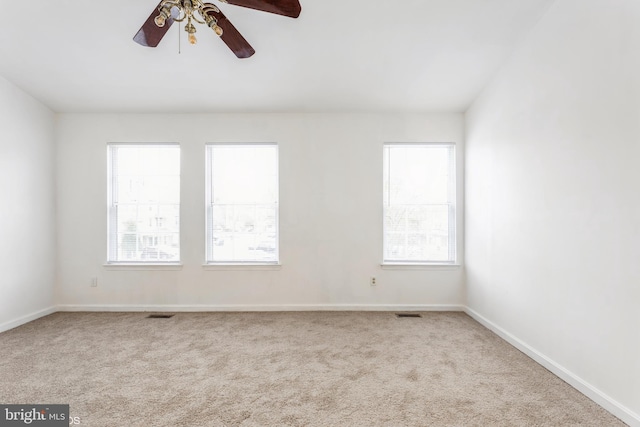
x: 27, y: 207
x: 330, y: 218
x: 553, y: 198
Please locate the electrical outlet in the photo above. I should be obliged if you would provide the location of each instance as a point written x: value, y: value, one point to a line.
x: 94, y: 282
x: 373, y: 281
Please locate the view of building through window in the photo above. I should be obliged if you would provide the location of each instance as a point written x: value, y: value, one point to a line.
x: 144, y: 203
x: 242, y: 203
x: 419, y: 203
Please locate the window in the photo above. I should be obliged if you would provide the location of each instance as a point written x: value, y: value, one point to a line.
x: 419, y: 204
x: 242, y: 204
x: 144, y: 203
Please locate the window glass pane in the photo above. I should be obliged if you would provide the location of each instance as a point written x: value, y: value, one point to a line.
x: 244, y: 174
x: 418, y: 175
x: 419, y: 203
x: 144, y: 203
x: 242, y: 199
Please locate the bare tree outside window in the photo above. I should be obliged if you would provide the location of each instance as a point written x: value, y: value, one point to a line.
x: 419, y: 203
x: 242, y: 203
x: 144, y: 203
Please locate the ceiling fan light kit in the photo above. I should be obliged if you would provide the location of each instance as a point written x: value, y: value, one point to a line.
x: 170, y: 11
x: 189, y: 10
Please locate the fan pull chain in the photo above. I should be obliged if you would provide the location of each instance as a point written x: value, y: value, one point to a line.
x: 179, y: 38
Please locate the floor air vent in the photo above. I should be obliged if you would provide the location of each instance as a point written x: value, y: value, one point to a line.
x: 160, y: 316
x: 401, y: 315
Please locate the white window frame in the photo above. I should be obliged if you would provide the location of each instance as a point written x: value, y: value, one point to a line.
x: 209, y: 262
x: 112, y: 231
x: 452, y: 210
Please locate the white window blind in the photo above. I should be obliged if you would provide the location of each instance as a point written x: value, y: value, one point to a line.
x: 242, y: 204
x: 419, y: 204
x: 143, y: 203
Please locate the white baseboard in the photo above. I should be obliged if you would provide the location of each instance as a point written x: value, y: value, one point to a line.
x: 260, y: 307
x: 26, y: 319
x: 614, y: 407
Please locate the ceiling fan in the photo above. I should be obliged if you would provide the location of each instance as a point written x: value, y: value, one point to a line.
x: 169, y: 11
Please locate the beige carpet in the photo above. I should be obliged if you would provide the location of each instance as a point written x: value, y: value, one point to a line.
x: 284, y: 369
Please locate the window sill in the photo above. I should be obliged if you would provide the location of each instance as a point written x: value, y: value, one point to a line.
x: 142, y: 266
x: 400, y: 266
x: 242, y: 267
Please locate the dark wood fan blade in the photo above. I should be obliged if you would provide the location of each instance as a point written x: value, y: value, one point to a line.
x: 290, y: 8
x: 232, y: 37
x: 150, y: 34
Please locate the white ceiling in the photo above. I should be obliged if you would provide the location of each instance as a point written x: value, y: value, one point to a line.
x: 348, y: 55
